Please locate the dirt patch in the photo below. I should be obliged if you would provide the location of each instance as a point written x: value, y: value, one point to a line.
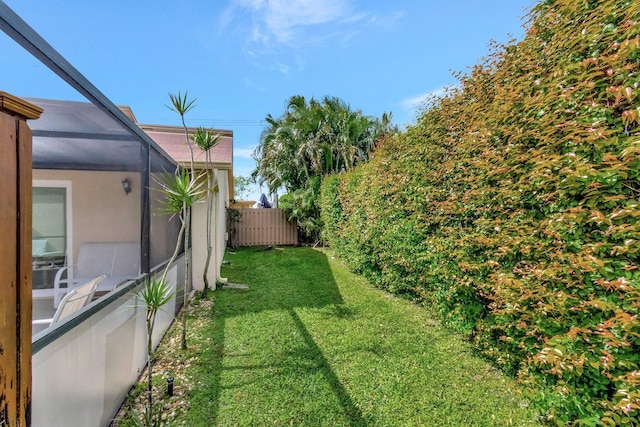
x: 170, y: 362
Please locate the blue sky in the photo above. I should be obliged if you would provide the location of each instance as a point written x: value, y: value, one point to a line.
x: 243, y: 59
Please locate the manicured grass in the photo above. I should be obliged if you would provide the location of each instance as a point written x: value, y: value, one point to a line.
x: 310, y: 344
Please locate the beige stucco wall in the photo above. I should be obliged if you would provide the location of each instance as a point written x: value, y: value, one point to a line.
x: 199, y: 246
x: 218, y: 234
x: 221, y: 220
x: 101, y: 210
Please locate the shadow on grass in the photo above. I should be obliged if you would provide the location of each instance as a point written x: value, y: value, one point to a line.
x: 279, y: 280
x: 350, y: 409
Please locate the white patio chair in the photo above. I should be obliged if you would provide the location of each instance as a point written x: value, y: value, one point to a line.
x: 73, y: 301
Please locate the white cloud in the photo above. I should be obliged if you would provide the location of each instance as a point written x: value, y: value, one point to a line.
x: 225, y: 18
x: 283, y: 16
x: 408, y: 107
x: 290, y: 29
x: 283, y: 68
x: 244, y: 153
x: 388, y: 22
x: 283, y: 21
x: 414, y: 102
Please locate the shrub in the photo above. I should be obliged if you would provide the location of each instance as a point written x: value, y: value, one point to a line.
x: 512, y: 205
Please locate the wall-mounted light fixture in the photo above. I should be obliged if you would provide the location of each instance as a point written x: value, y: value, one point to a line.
x: 126, y: 185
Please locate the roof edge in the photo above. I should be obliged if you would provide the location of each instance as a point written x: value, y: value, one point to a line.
x: 180, y: 129
x: 202, y: 165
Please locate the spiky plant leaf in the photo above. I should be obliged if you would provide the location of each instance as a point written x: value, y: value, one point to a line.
x: 205, y: 138
x: 180, y: 191
x: 181, y: 104
x: 155, y: 295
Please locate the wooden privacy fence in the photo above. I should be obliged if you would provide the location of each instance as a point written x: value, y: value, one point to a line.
x: 258, y: 227
x: 15, y: 260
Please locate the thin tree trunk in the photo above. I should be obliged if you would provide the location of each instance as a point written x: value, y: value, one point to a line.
x: 150, y: 323
x: 187, y: 258
x: 209, y: 214
x: 175, y: 253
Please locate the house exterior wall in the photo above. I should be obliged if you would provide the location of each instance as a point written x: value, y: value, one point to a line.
x: 221, y: 218
x: 101, y: 211
x: 218, y: 235
x: 83, y: 374
x: 199, y: 247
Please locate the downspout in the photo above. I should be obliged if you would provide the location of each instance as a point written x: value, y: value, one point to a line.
x: 220, y: 222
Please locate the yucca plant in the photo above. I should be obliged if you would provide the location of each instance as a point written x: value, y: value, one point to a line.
x: 181, y: 104
x: 181, y: 191
x: 146, y: 419
x: 155, y: 295
x: 206, y: 139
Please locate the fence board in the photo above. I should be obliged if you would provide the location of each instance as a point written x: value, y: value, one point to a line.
x: 260, y: 227
x: 15, y: 261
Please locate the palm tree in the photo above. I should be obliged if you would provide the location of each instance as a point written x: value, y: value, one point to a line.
x: 310, y: 140
x: 179, y: 192
x: 155, y: 295
x: 181, y: 104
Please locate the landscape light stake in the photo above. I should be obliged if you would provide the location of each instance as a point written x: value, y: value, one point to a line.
x: 170, y: 386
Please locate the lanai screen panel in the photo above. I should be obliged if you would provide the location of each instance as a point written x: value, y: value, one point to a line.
x: 164, y: 227
x: 79, y: 136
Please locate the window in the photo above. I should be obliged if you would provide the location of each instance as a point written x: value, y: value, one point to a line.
x: 51, y: 233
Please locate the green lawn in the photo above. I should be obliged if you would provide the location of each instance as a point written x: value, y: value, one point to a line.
x: 311, y: 344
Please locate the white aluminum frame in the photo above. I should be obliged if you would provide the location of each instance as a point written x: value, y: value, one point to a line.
x: 66, y: 184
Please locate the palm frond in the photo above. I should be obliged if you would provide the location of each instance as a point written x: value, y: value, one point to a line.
x: 181, y: 104
x: 155, y: 294
x: 180, y: 191
x: 205, y: 139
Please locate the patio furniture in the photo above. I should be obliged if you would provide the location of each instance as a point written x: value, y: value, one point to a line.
x: 118, y: 261
x: 73, y: 301
x: 42, y: 255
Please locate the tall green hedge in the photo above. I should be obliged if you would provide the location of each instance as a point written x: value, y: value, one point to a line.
x: 512, y: 207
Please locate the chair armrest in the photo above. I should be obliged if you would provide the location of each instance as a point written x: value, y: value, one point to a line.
x: 58, y: 277
x: 57, y: 293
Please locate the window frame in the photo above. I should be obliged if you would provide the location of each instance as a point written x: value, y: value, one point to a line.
x: 66, y: 184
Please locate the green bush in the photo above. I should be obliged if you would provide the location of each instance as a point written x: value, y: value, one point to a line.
x: 512, y: 205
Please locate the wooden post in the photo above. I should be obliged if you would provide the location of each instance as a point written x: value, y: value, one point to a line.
x: 15, y: 260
